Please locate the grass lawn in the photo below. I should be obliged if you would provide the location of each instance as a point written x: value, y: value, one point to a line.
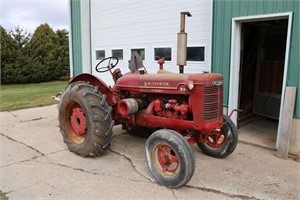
x: 20, y: 96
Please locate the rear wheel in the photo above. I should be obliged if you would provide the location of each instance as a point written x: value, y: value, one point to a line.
x: 221, y: 143
x: 170, y: 158
x: 85, y: 120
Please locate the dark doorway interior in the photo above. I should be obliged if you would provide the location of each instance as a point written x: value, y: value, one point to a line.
x: 262, y: 66
x: 263, y: 47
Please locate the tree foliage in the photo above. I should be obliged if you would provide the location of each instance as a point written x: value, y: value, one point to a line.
x: 20, y: 37
x: 43, y: 56
x: 9, y: 53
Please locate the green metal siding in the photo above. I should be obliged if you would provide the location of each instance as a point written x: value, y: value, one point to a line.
x: 225, y: 10
x: 76, y: 37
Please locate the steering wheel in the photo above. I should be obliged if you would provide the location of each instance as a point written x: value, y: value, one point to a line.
x: 112, y: 62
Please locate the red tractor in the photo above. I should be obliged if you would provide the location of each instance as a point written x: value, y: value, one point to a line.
x: 174, y: 110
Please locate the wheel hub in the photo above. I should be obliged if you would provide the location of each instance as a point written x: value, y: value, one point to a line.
x: 167, y: 158
x: 216, y: 139
x: 78, y: 121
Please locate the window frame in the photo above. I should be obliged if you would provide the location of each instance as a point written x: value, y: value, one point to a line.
x: 117, y: 49
x: 197, y: 61
x: 164, y: 47
x: 98, y: 50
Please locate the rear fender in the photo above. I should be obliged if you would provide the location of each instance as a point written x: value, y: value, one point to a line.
x: 93, y: 80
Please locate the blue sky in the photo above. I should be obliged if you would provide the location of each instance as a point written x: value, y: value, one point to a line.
x: 29, y: 14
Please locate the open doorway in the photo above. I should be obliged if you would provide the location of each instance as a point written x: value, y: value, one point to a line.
x: 262, y: 62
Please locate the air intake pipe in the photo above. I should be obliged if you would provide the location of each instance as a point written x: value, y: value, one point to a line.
x: 128, y: 107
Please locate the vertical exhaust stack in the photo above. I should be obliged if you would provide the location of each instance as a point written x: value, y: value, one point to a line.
x: 182, y: 42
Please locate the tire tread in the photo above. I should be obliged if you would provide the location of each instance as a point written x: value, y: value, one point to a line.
x: 98, y: 119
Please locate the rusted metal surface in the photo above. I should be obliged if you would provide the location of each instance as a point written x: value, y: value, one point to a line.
x: 75, y: 122
x: 161, y: 63
x: 78, y: 121
x: 216, y: 138
x: 166, y: 159
x: 234, y: 110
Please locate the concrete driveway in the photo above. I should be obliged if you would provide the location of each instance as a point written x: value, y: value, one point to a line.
x: 36, y: 164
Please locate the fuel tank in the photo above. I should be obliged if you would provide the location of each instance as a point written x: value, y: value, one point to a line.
x: 166, y: 82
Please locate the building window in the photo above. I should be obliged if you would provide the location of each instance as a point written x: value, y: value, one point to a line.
x: 196, y: 54
x: 141, y: 52
x: 100, y: 54
x: 117, y: 53
x: 165, y: 53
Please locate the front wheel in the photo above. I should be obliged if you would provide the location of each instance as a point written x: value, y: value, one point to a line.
x: 170, y: 158
x: 221, y: 143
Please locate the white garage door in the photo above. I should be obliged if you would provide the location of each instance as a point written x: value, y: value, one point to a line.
x: 118, y: 27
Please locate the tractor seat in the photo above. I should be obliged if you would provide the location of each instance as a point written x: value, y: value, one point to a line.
x: 162, y: 71
x: 136, y: 62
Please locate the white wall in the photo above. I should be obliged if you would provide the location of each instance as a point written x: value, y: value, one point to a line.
x: 122, y: 24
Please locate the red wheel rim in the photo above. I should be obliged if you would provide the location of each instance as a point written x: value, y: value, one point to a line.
x: 76, y: 122
x: 216, y: 139
x: 165, y: 160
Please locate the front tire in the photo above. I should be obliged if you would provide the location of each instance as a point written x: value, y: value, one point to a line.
x: 169, y: 158
x: 85, y: 120
x: 221, y: 143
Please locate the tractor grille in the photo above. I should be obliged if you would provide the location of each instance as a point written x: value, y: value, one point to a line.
x: 213, y: 102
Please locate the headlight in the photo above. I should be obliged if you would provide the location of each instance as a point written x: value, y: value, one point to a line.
x: 191, y: 85
x: 217, y: 83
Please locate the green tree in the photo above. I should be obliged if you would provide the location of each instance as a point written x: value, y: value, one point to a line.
x: 47, y: 52
x: 9, y: 56
x: 44, y: 56
x: 22, y: 63
x: 64, y: 61
x: 20, y: 37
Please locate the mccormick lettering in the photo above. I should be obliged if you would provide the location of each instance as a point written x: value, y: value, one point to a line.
x: 154, y: 83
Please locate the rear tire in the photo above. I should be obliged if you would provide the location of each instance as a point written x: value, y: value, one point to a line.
x: 85, y: 120
x: 170, y: 158
x: 221, y: 144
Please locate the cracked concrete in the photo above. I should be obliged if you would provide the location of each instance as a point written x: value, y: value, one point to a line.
x: 7, y: 137
x: 36, y: 164
x: 132, y: 164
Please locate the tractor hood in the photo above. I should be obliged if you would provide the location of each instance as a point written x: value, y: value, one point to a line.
x: 165, y: 82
